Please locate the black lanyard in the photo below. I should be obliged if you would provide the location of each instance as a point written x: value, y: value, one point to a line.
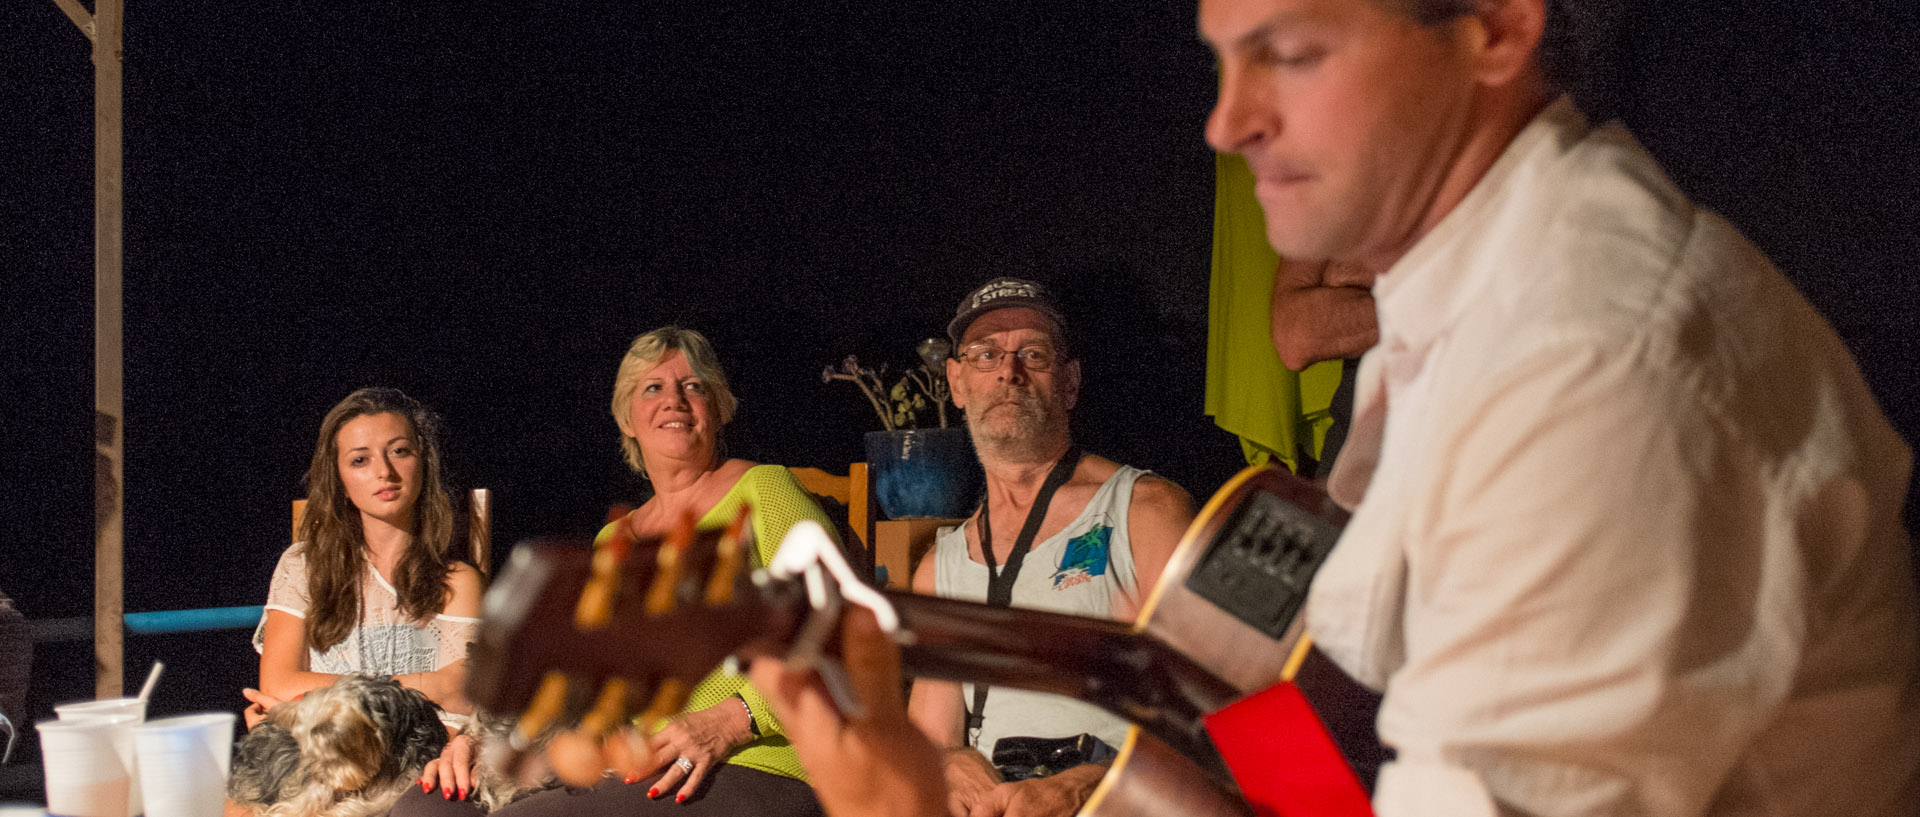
x: 1000, y: 580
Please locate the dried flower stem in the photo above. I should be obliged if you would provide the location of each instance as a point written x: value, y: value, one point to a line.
x: 932, y: 386
x: 869, y: 383
x: 898, y: 407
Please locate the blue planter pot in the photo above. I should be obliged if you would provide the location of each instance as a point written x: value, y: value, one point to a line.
x: 919, y: 473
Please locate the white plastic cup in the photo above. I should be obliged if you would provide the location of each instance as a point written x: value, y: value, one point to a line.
x: 111, y: 708
x: 122, y: 714
x: 184, y: 762
x: 85, y: 775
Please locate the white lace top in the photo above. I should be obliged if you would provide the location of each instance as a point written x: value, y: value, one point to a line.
x: 385, y: 642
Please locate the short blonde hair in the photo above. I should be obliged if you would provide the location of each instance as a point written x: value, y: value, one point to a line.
x: 645, y: 353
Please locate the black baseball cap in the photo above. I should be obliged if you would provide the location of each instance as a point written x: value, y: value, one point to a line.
x: 1003, y: 293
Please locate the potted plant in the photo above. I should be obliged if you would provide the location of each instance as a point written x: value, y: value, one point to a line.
x: 917, y: 472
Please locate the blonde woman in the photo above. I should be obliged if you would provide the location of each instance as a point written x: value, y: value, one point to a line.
x: 725, y: 754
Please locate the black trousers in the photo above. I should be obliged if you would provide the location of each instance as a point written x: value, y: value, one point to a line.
x: 728, y: 790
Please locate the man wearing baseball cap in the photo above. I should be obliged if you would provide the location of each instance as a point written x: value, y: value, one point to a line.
x: 1062, y: 531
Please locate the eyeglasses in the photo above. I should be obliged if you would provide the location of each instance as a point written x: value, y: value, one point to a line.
x: 987, y: 357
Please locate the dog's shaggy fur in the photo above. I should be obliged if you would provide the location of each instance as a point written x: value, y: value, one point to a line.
x: 494, y: 784
x: 346, y: 750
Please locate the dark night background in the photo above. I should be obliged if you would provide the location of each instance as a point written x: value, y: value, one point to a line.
x: 483, y: 207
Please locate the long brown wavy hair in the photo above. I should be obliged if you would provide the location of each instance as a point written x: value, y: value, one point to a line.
x: 336, y: 544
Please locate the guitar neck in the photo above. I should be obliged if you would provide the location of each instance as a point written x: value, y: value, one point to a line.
x: 1105, y: 663
x: 1100, y: 661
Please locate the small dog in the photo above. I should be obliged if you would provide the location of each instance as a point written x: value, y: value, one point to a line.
x: 502, y: 776
x: 346, y: 750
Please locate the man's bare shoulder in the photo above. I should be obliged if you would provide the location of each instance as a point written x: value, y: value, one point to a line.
x: 1094, y: 470
x: 1158, y: 515
x: 1153, y: 495
x: 1162, y: 499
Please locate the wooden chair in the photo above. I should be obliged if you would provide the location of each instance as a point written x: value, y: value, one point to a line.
x: 479, y: 550
x: 898, y: 545
x: 853, y: 491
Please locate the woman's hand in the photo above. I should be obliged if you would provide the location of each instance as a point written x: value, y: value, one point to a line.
x: 257, y: 710
x: 452, y: 771
x: 703, y: 738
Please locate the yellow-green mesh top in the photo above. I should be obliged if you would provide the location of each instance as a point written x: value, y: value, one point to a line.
x: 778, y: 502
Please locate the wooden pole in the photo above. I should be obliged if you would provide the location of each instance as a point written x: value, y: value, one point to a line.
x: 108, y: 405
x: 78, y: 14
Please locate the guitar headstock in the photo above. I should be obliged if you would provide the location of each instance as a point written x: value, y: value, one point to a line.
x: 595, y: 636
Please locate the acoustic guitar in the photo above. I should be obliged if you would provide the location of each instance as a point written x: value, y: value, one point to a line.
x: 569, y: 633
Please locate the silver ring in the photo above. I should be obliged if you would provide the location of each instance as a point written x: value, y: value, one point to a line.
x: 685, y: 764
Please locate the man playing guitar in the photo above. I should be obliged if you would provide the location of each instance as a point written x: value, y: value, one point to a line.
x: 1626, y: 536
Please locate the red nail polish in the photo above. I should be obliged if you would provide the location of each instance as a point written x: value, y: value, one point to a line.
x: 653, y: 792
x: 424, y: 786
x: 446, y: 794
x: 679, y: 798
x: 463, y: 792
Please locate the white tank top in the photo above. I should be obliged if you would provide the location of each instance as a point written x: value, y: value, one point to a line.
x: 1084, y: 570
x: 383, y: 642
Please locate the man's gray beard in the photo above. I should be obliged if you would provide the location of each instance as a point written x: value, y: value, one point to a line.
x: 1020, y: 431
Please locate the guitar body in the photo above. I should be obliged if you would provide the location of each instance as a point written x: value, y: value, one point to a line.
x: 1150, y: 779
x: 1181, y: 611
x: 1243, y: 553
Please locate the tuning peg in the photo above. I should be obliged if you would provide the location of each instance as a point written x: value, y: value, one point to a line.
x: 548, y: 703
x: 730, y: 558
x: 667, y: 702
x: 607, y: 709
x: 576, y: 758
x: 626, y: 751
x: 595, y: 607
x: 670, y: 565
x: 660, y: 594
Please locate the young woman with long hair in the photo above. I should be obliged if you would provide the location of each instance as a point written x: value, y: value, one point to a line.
x: 369, y: 588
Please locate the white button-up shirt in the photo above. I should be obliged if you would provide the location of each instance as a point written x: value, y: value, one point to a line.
x: 1627, y: 538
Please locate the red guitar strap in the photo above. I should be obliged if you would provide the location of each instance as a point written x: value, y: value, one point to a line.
x: 1284, y: 760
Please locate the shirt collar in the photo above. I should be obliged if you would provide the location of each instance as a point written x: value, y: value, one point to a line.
x: 1448, y: 269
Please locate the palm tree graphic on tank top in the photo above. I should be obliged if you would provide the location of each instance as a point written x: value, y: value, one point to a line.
x: 1085, y: 558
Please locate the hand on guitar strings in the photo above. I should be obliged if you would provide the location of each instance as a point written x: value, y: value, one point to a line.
x: 877, y: 764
